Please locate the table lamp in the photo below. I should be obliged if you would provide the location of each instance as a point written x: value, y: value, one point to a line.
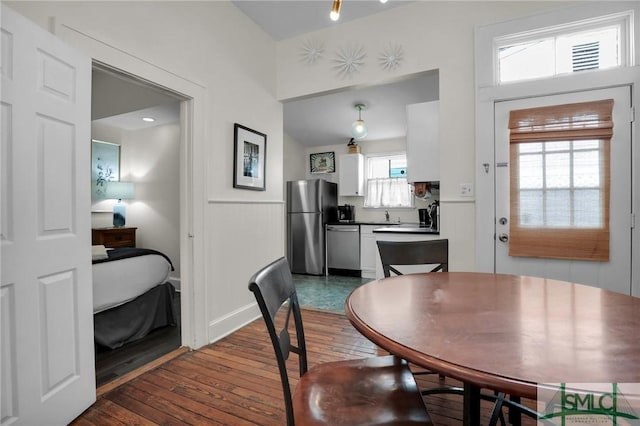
x: 119, y: 191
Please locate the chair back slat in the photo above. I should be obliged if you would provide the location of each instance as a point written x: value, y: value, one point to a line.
x: 397, y: 253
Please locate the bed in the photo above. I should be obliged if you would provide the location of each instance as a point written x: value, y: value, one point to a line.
x: 131, y: 294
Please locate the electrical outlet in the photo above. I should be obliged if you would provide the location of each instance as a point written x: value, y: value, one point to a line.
x: 466, y: 190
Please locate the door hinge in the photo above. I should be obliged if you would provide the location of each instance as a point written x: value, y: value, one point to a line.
x: 632, y: 116
x: 633, y: 220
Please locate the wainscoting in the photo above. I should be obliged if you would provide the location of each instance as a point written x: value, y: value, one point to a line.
x: 241, y: 238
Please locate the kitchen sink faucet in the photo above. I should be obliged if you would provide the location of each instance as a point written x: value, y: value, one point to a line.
x: 386, y: 215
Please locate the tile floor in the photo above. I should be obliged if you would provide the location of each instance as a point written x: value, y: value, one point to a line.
x: 325, y: 293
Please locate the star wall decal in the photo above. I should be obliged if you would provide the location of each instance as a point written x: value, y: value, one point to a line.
x: 391, y: 57
x: 349, y: 60
x: 311, y: 51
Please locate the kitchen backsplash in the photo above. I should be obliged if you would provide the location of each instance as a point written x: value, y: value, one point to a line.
x: 377, y: 215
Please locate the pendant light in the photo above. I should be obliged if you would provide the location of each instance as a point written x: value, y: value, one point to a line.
x: 335, y: 10
x: 358, y: 128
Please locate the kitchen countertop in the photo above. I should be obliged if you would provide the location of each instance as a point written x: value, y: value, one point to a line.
x: 406, y: 229
x: 394, y: 227
x: 380, y: 223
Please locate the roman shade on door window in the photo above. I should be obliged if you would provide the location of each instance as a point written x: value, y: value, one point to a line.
x: 559, y: 181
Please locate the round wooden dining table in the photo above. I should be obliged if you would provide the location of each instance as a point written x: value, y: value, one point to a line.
x: 507, y: 333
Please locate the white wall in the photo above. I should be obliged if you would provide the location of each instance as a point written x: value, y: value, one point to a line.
x: 149, y: 159
x: 295, y: 166
x: 434, y: 35
x: 226, y: 62
x: 220, y: 53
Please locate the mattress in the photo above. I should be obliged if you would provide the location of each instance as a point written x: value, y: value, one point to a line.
x: 120, y: 281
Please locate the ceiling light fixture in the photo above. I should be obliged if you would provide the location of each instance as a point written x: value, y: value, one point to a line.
x: 335, y: 10
x: 148, y: 119
x: 358, y: 128
x: 383, y: 1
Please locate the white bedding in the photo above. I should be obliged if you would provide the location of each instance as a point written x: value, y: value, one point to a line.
x: 120, y: 281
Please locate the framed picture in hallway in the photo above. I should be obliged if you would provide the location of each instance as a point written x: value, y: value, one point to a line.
x: 250, y: 156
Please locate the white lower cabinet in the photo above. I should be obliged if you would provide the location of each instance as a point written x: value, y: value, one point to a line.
x: 368, y: 251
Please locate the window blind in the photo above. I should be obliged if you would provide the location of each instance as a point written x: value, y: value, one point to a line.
x: 559, y: 181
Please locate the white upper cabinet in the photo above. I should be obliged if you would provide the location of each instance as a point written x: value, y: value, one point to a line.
x: 423, y: 144
x: 351, y: 175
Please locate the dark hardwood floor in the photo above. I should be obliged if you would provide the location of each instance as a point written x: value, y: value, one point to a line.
x: 114, y: 363
x: 235, y: 381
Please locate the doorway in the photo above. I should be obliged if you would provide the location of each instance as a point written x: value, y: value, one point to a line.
x: 150, y: 159
x: 613, y: 274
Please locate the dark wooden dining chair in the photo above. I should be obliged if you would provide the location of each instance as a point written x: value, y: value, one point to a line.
x: 372, y: 391
x: 398, y: 253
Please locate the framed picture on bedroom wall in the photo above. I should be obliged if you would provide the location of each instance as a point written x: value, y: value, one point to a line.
x: 105, y: 167
x: 249, y: 158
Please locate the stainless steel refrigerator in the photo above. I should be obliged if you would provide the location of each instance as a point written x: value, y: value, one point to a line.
x: 310, y: 205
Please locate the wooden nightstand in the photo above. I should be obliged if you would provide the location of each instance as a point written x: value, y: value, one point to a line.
x: 114, y: 237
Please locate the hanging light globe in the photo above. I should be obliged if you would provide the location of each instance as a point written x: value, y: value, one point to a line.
x: 359, y: 128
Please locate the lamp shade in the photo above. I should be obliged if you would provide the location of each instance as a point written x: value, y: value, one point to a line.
x: 359, y: 129
x: 120, y: 190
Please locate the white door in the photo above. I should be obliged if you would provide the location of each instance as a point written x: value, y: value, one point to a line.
x: 614, y: 274
x: 47, y: 367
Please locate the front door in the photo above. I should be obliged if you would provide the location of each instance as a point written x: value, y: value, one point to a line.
x: 47, y: 360
x: 614, y: 274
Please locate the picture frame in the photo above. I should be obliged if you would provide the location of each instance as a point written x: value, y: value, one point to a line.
x: 105, y: 166
x: 249, y: 158
x: 322, y: 162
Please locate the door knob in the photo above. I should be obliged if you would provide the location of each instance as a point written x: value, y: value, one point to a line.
x: 503, y: 237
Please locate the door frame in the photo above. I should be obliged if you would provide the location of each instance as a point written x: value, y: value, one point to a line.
x: 485, y: 149
x: 192, y: 168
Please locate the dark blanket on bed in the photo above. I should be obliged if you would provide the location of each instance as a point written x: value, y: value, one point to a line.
x: 126, y: 252
x: 137, y: 318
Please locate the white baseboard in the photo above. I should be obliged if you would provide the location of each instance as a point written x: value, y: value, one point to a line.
x: 368, y: 274
x: 235, y: 320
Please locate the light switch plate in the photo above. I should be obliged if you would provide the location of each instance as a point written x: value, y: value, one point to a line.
x: 466, y: 190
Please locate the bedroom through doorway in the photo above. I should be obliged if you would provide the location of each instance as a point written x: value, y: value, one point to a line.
x: 137, y: 303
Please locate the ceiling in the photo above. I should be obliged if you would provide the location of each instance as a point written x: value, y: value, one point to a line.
x: 166, y: 113
x: 326, y: 119
x: 313, y: 121
x: 120, y: 101
x: 289, y: 18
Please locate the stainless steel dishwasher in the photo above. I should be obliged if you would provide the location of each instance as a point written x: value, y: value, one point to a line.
x: 343, y: 250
